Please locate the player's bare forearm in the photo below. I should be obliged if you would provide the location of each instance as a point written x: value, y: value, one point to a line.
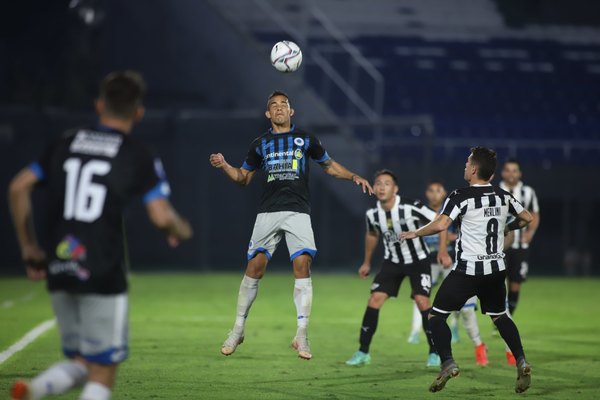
x: 443, y: 242
x: 19, y: 200
x: 371, y: 241
x: 441, y: 223
x: 240, y: 176
x: 337, y: 170
x: 164, y: 217
x: 535, y: 223
x: 522, y: 220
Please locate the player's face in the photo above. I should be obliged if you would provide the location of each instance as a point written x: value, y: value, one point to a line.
x: 470, y: 169
x: 279, y: 110
x: 385, y: 188
x: 435, y: 194
x: 511, y: 173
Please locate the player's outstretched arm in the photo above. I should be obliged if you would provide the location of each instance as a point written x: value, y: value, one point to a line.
x: 443, y: 257
x: 19, y: 200
x: 371, y: 240
x: 523, y: 219
x: 164, y: 217
x: 337, y: 170
x: 441, y: 223
x: 240, y: 176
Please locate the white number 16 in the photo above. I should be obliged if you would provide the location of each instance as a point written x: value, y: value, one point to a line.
x: 84, y: 199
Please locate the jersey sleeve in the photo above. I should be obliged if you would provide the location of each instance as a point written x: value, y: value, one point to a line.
x: 425, y: 213
x: 370, y: 224
x: 514, y: 207
x: 41, y: 166
x: 316, y: 151
x: 450, y: 208
x: 534, y: 206
x: 254, y: 157
x: 151, y: 179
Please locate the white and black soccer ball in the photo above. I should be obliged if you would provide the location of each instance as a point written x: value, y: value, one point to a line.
x: 286, y: 56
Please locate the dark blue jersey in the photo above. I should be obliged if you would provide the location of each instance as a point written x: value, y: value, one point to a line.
x: 91, y: 175
x: 284, y: 157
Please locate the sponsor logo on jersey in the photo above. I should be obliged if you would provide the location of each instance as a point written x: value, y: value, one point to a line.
x: 391, y: 237
x: 96, y: 143
x: 71, y: 249
x: 299, y: 141
x: 495, y: 256
x: 298, y: 154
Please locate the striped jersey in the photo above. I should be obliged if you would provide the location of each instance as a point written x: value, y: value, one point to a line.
x: 406, y: 215
x: 284, y: 157
x: 481, y: 212
x: 526, y: 196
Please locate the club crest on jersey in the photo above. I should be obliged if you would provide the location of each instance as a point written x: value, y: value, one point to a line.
x: 299, y: 141
x: 298, y: 154
x: 251, y: 244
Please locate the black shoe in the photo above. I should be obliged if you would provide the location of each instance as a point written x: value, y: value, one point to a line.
x: 449, y: 370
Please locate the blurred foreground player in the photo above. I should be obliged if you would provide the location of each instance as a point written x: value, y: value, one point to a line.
x: 481, y: 211
x: 283, y: 153
x: 436, y: 194
x: 392, y: 215
x: 90, y: 175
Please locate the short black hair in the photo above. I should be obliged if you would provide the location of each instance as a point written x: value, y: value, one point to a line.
x: 122, y: 93
x: 386, y: 172
x: 278, y: 93
x: 485, y: 159
x: 512, y: 160
x: 436, y: 182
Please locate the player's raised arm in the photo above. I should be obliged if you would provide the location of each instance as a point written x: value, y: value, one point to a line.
x: 337, y: 170
x: 241, y: 176
x: 441, y: 223
x: 19, y: 200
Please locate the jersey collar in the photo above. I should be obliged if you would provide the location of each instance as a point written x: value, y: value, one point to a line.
x: 485, y: 185
x: 396, y: 203
x: 108, y: 129
x: 283, y: 133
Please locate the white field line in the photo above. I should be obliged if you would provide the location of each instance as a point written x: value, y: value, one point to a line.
x: 11, y: 303
x: 27, y: 339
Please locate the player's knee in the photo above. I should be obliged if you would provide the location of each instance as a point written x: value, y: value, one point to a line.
x: 377, y: 299
x: 437, y: 316
x: 301, y: 266
x: 257, y: 266
x: 497, y: 319
x: 422, y: 302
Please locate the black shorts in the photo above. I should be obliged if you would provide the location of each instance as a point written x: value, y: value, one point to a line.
x: 391, y: 275
x: 517, y: 264
x: 457, y: 288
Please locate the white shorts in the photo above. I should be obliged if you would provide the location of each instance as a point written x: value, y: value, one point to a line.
x: 270, y: 228
x: 93, y: 326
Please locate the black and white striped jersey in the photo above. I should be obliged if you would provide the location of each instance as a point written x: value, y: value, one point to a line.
x: 406, y: 215
x: 481, y: 212
x: 526, y: 196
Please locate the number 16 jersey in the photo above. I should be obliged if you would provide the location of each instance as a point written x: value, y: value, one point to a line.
x: 481, y: 212
x: 90, y: 176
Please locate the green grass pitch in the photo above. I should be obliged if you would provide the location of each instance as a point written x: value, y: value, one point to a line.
x: 178, y: 322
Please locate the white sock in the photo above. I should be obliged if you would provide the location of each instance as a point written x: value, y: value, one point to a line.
x: 246, y: 296
x: 417, y: 321
x: 469, y: 319
x: 452, y: 320
x: 303, y: 299
x: 58, y: 379
x: 95, y: 391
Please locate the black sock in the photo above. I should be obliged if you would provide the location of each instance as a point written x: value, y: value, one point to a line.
x: 509, y: 332
x: 426, y: 328
x: 442, y: 337
x: 368, y: 328
x: 513, y: 299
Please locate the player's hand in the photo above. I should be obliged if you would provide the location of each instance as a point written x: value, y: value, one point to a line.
x: 217, y: 160
x: 366, y: 186
x: 364, y: 270
x: 444, y: 259
x: 184, y: 232
x: 35, y: 262
x: 407, y: 235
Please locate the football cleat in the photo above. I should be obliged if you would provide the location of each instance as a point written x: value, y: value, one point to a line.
x: 433, y: 360
x: 300, y: 344
x: 449, y: 370
x: 414, y: 338
x: 231, y: 343
x: 20, y: 391
x: 481, y: 357
x: 359, y: 358
x: 523, y: 377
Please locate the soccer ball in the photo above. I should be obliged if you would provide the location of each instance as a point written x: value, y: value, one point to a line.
x: 286, y: 56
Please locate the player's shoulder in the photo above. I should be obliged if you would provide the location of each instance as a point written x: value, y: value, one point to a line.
x: 528, y: 188
x: 502, y: 192
x: 461, y: 194
x: 408, y: 201
x: 371, y: 212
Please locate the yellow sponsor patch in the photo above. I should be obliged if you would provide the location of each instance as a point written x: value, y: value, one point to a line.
x: 294, y: 164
